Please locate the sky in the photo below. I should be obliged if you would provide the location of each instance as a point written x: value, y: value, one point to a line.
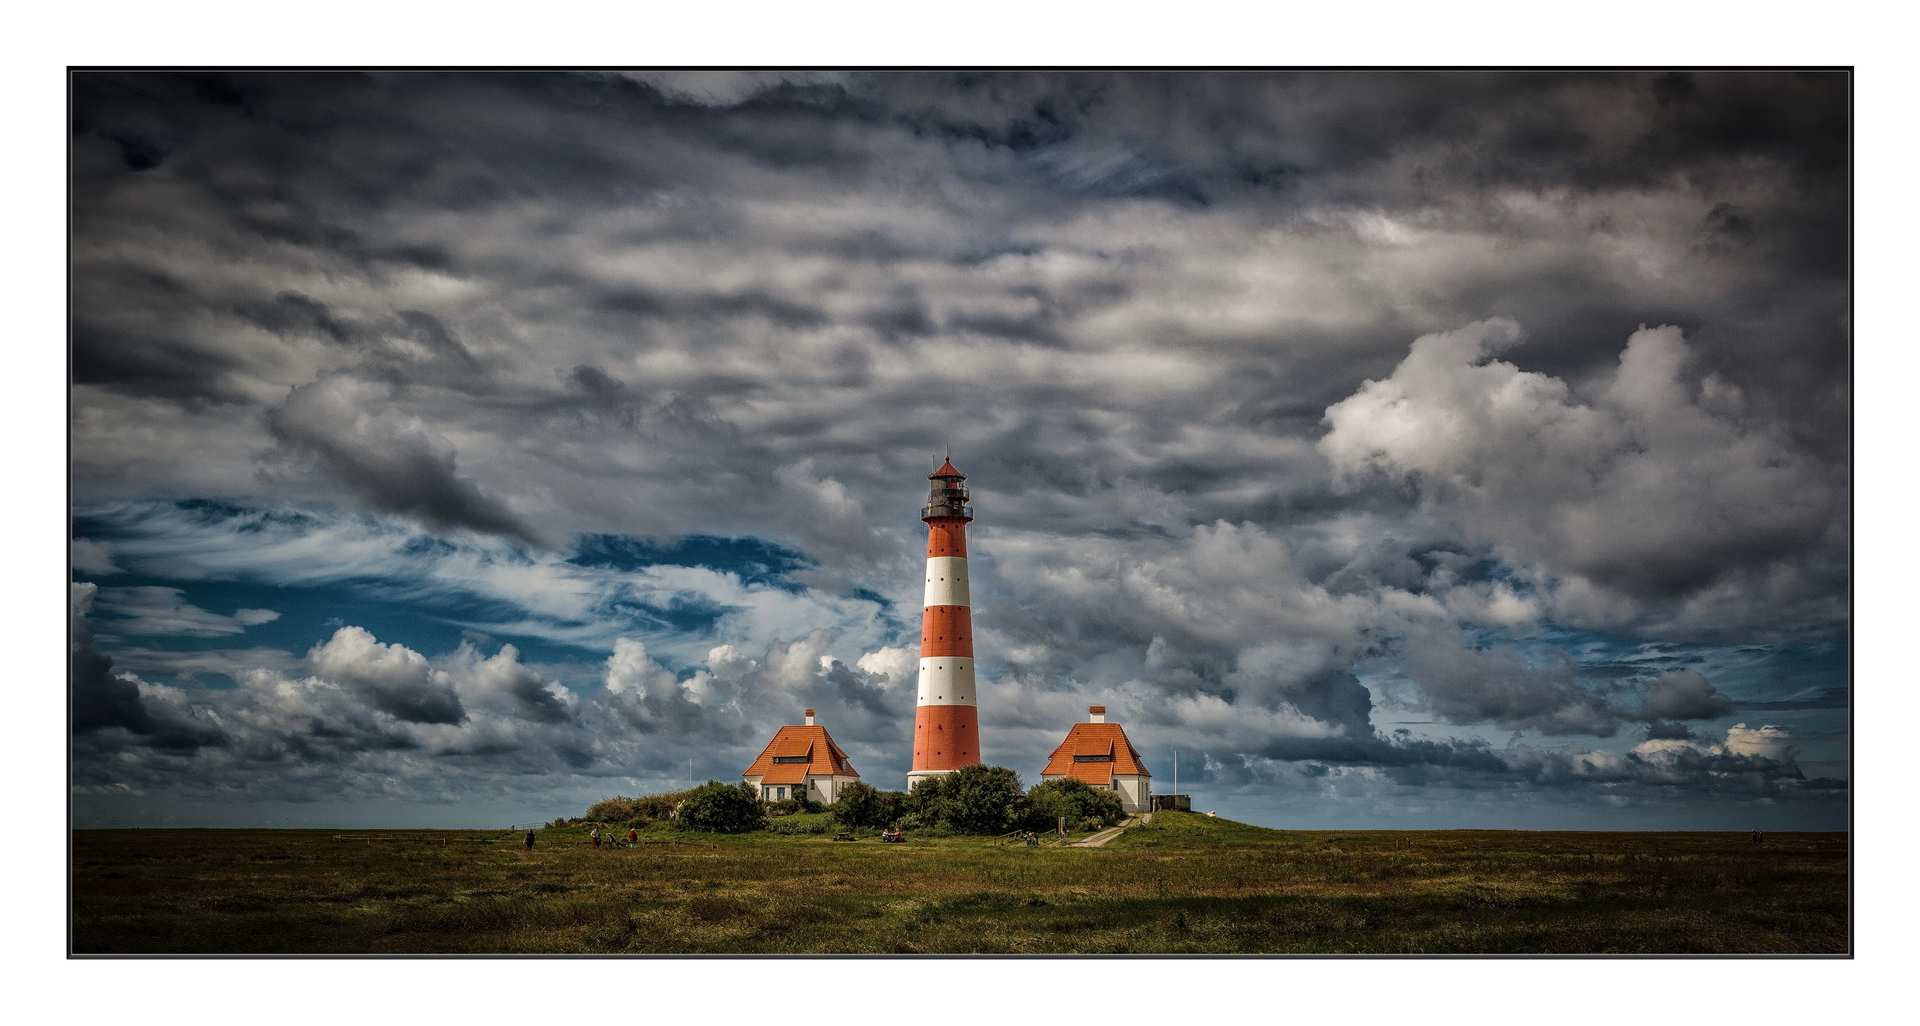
x: 1403, y: 450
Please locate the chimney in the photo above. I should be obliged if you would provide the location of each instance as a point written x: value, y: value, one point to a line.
x: 809, y: 717
x: 1096, y: 714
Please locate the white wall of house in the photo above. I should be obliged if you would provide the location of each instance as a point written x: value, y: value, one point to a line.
x: 823, y: 789
x: 826, y: 790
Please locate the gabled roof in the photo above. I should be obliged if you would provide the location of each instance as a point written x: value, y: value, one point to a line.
x: 824, y: 758
x: 1095, y: 739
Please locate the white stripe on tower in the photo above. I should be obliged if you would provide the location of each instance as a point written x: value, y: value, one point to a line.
x: 947, y: 581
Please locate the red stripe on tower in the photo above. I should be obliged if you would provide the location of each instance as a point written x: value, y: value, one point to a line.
x: 946, y: 729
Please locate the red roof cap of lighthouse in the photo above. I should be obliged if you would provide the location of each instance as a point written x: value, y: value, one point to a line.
x: 823, y: 757
x: 1095, y: 739
x: 946, y: 470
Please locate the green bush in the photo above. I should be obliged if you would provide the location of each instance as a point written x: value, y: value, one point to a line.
x: 862, y: 805
x: 803, y: 823
x: 619, y: 809
x: 893, y: 804
x: 720, y: 808
x: 790, y: 806
x: 984, y: 800
x: 970, y: 800
x: 1080, y: 803
x: 927, y: 802
x: 908, y: 822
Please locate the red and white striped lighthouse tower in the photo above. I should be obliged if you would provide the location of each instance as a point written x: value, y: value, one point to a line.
x: 946, y: 729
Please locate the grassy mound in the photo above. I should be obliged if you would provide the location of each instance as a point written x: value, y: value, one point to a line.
x: 1173, y: 829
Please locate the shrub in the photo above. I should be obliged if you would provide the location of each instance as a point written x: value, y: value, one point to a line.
x: 619, y: 809
x: 909, y: 822
x: 970, y: 800
x: 927, y: 802
x: 859, y: 805
x: 790, y: 806
x: 612, y: 810
x: 720, y: 808
x: 984, y: 800
x: 1074, y: 799
x: 862, y: 805
x: 803, y: 823
x: 893, y: 805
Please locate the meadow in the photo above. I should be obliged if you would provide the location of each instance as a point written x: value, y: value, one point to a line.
x: 1185, y: 883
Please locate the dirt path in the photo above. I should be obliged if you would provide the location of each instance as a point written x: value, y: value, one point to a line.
x: 1111, y: 832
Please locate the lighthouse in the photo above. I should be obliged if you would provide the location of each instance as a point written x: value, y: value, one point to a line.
x: 946, y: 729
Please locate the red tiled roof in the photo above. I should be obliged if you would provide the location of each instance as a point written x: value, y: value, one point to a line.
x: 1095, y: 739
x: 946, y: 470
x: 824, y: 758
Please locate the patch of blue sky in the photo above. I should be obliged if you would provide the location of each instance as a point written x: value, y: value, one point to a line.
x: 752, y: 560
x: 307, y: 616
x: 680, y: 614
x: 1746, y: 673
x: 322, y: 571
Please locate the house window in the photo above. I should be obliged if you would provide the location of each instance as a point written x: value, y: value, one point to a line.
x: 788, y: 759
x: 782, y: 792
x: 1093, y: 758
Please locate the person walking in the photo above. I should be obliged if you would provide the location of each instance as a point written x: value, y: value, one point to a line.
x: 529, y: 838
x: 596, y: 837
x: 633, y: 836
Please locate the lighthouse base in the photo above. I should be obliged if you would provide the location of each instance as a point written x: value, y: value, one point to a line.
x: 918, y: 775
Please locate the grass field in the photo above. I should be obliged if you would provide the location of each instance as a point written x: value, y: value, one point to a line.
x: 1186, y: 883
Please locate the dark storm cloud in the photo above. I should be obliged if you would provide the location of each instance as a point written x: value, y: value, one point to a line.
x: 1501, y: 687
x: 104, y: 701
x: 1655, y: 768
x: 348, y: 432
x: 1554, y: 695
x: 99, y: 698
x: 1683, y: 695
x: 1180, y: 328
